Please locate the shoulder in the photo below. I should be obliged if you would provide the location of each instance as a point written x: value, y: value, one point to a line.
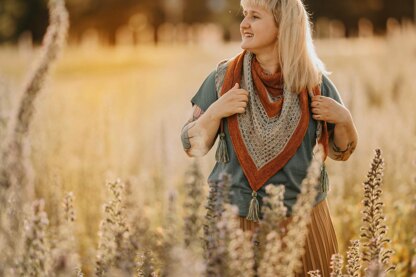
x: 210, y: 79
x: 221, y: 70
x: 217, y: 75
x: 329, y: 89
x: 207, y: 92
x: 222, y: 67
x: 327, y: 86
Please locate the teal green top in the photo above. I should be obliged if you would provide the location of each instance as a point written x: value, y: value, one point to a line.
x: 291, y: 175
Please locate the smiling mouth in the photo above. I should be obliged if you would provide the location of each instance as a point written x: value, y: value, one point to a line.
x: 248, y: 35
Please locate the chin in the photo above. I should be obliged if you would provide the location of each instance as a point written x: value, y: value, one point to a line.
x: 249, y: 49
x: 245, y: 47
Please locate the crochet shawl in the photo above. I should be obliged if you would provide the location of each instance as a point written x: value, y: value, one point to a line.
x: 267, y: 135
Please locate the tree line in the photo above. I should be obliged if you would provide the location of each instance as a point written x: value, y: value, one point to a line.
x: 18, y: 16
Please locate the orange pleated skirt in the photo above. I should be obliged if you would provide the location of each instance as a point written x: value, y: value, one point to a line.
x: 321, y: 241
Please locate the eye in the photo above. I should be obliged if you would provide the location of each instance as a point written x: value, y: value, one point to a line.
x: 244, y: 14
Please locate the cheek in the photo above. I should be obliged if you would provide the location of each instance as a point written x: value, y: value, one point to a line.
x: 268, y: 32
x: 270, y: 36
x: 274, y: 33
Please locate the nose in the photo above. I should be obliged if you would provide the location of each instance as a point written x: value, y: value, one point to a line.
x: 244, y: 24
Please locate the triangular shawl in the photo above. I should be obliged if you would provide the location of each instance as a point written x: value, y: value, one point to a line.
x: 263, y: 141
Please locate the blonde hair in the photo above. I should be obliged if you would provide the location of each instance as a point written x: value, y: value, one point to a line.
x: 301, y: 66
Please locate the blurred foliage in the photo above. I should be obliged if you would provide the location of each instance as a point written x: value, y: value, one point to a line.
x: 17, y: 16
x: 106, y: 16
x: 350, y: 11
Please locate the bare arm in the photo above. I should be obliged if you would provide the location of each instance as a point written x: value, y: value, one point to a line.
x: 343, y: 140
x: 199, y: 133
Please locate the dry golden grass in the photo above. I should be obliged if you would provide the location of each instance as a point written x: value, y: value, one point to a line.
x: 118, y: 112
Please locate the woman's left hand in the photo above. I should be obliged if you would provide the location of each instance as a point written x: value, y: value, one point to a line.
x: 327, y: 109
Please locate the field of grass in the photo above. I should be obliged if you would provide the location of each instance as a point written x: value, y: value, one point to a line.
x: 118, y: 112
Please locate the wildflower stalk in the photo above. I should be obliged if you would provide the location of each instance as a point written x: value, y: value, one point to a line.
x: 140, y: 241
x: 373, y: 232
x: 15, y: 151
x: 271, y: 263
x: 68, y: 208
x: 64, y: 254
x: 375, y: 269
x: 146, y: 245
x: 193, y: 199
x: 10, y: 231
x: 336, y: 265
x: 235, y: 246
x: 169, y: 239
x: 217, y: 197
x: 413, y: 261
x: 183, y: 259
x: 113, y: 234
x: 35, y: 260
x: 354, y: 259
x: 211, y: 256
x: 284, y: 247
x: 273, y: 209
x: 294, y: 240
x: 314, y: 273
x: 145, y: 264
x: 16, y: 172
x: 269, y: 234
x: 185, y: 263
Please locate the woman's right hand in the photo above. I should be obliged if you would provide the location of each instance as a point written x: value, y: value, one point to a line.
x: 233, y: 101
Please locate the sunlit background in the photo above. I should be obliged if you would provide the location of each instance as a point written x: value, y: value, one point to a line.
x: 134, y: 22
x: 115, y: 103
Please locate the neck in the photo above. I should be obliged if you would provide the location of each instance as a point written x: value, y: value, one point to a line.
x: 268, y: 62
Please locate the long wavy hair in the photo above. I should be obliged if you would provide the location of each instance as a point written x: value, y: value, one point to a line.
x: 301, y: 66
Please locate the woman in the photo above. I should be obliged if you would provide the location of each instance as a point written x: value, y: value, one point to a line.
x: 270, y: 105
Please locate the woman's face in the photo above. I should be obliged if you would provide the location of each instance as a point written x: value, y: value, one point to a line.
x: 258, y: 30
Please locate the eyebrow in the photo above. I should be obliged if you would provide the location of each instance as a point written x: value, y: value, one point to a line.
x: 251, y: 11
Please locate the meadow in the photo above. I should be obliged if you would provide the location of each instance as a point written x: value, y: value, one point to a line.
x: 117, y: 112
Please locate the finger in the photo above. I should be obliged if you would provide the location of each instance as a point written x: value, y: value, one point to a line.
x: 241, y: 98
x: 317, y: 116
x: 241, y: 104
x: 237, y: 91
x: 315, y: 111
x: 315, y: 98
x: 315, y: 104
x: 322, y: 98
x: 241, y: 110
x: 319, y: 98
x: 242, y: 91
